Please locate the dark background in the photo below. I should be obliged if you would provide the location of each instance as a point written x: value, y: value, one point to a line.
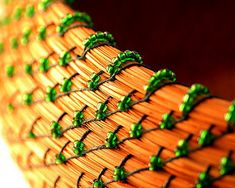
x: 195, y: 39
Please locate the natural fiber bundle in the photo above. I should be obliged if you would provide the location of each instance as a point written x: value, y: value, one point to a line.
x: 77, y: 112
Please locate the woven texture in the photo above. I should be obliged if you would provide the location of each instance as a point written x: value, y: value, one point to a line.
x: 44, y: 137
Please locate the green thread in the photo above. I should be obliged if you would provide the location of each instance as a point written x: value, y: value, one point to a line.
x: 60, y: 159
x: 226, y: 165
x: 71, y: 18
x: 196, y: 93
x: 203, y: 180
x: 98, y: 183
x: 93, y: 83
x: 182, y: 148
x: 6, y: 20
x: 30, y: 11
x: 155, y: 163
x: 206, y: 138
x: 44, y: 64
x: 125, y: 103
x: 120, y: 174
x: 160, y: 78
x: 1, y: 48
x: 10, y: 107
x: 10, y: 69
x: 31, y: 135
x: 17, y: 13
x: 230, y: 115
x: 121, y: 59
x: 50, y: 94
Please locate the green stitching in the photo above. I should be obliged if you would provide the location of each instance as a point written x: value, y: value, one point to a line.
x: 50, y: 94
x: 230, y: 115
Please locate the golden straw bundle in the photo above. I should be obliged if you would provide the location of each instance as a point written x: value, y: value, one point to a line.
x: 77, y: 112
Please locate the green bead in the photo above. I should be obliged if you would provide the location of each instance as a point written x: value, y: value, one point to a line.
x: 101, y: 112
x: 30, y: 11
x: 31, y: 135
x: 78, y: 118
x: 111, y: 140
x: 51, y: 94
x: 10, y: 107
x: 98, y: 184
x: 78, y: 148
x: 42, y: 33
x: 203, y: 181
x: 17, y: 13
x: 28, y: 69
x: 206, y: 138
x: 14, y: 43
x: 125, y: 103
x: 56, y: 130
x: 44, y: 4
x: 182, y: 148
x: 155, y: 163
x: 136, y: 130
x: 10, y: 71
x: 120, y: 174
x: 230, y: 115
x: 66, y: 85
x: 65, y: 59
x: 226, y: 165
x: 44, y: 64
x: 1, y: 48
x: 160, y: 78
x: 28, y: 98
x: 167, y: 122
x: 60, y: 159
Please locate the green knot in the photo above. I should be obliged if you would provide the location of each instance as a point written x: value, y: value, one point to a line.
x: 65, y: 58
x: 28, y: 69
x: 155, y: 163
x: 71, y: 18
x: 1, y: 48
x: 101, y: 112
x: 31, y: 135
x: 25, y: 37
x: 196, y: 93
x: 122, y: 58
x: 203, y: 180
x: 111, y: 140
x: 17, y: 13
x: 93, y: 83
x: 44, y: 4
x: 230, y: 115
x: 182, y: 148
x: 160, y: 78
x: 44, y: 64
x: 42, y: 33
x: 136, y: 130
x: 60, y: 159
x: 50, y: 94
x: 206, y: 138
x: 10, y: 69
x: 78, y: 118
x: 120, y: 174
x: 28, y: 99
x: 98, y: 183
x: 66, y: 85
x: 226, y: 165
x: 10, y: 107
x: 125, y: 103
x: 78, y: 148
x: 56, y: 130
x: 30, y: 11
x: 99, y: 38
x: 168, y: 121
x: 14, y: 43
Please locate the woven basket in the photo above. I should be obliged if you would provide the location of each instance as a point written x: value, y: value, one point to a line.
x: 77, y: 112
